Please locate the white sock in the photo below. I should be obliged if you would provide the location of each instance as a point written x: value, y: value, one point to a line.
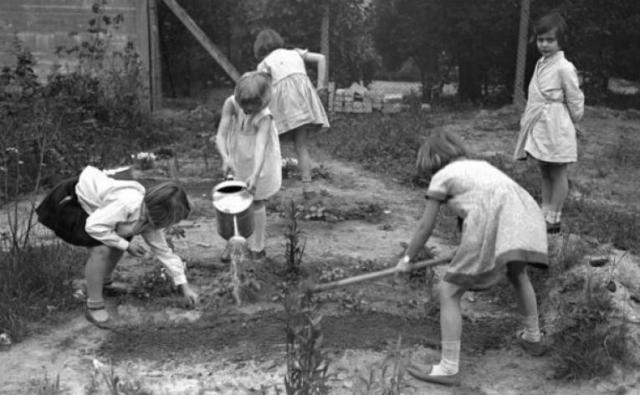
x: 531, y: 330
x: 450, y: 360
x: 553, y: 216
x: 256, y: 241
x: 545, y: 211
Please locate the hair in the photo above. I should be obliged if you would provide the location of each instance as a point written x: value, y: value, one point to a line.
x: 552, y: 22
x: 266, y: 41
x: 166, y: 204
x: 440, y: 148
x: 253, y: 87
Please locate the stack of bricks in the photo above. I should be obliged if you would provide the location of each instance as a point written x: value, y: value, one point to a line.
x: 349, y: 101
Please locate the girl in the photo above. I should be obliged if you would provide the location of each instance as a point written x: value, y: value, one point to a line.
x: 503, y: 230
x: 248, y: 144
x: 103, y: 214
x: 296, y: 106
x: 555, y: 103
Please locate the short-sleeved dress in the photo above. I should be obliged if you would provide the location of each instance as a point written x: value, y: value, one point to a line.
x: 502, y: 222
x: 555, y: 102
x: 241, y: 143
x: 295, y: 101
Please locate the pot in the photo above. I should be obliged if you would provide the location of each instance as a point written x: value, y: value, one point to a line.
x: 232, y: 202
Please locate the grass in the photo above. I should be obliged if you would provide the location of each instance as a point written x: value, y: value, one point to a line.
x: 34, y: 281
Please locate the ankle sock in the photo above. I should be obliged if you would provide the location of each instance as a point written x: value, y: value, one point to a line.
x: 94, y: 304
x: 553, y: 217
x: 450, y: 360
x: 531, y: 330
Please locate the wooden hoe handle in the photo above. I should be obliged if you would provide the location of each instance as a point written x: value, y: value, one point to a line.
x: 378, y: 274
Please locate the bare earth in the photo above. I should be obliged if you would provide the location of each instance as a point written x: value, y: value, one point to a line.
x: 220, y: 348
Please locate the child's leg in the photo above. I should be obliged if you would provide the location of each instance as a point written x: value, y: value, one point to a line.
x: 450, y: 329
x: 257, y: 239
x: 100, y: 263
x: 302, y: 149
x: 526, y: 299
x: 559, y: 179
x: 545, y: 187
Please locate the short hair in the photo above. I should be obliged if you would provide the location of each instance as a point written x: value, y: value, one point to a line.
x: 266, y: 41
x: 439, y: 149
x: 253, y: 87
x: 552, y: 22
x: 167, y: 204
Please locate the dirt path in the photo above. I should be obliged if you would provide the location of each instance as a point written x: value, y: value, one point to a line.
x: 223, y: 349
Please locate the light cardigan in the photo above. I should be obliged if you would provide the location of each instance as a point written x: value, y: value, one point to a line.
x: 114, y: 209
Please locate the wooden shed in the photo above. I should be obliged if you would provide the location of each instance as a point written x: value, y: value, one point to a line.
x: 42, y: 26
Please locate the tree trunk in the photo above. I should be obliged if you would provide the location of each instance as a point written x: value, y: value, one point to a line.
x: 469, y: 87
x: 518, y: 84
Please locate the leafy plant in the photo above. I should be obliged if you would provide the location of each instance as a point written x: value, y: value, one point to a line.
x: 46, y: 386
x: 295, y: 243
x: 384, y: 377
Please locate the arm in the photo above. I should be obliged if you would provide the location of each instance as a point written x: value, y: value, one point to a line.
x: 101, y: 224
x: 421, y: 235
x: 321, y: 61
x: 228, y: 112
x: 262, y: 139
x: 572, y: 93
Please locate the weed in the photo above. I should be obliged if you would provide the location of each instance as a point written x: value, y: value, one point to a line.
x: 45, y: 386
x: 385, y: 377
x: 115, y: 384
x: 295, y: 243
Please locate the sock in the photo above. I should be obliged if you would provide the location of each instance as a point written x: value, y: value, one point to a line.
x: 450, y: 360
x: 256, y: 241
x: 531, y: 328
x: 95, y: 304
x: 545, y: 212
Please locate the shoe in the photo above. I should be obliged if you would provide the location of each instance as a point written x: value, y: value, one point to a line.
x: 97, y: 318
x: 112, y: 289
x: 535, y: 349
x: 423, y: 373
x: 226, y: 254
x: 553, y: 228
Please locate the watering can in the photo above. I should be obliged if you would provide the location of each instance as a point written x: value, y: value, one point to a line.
x: 232, y: 202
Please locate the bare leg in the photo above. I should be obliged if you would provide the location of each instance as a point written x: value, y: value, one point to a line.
x: 450, y: 328
x: 545, y: 186
x: 526, y: 299
x: 257, y: 239
x: 302, y: 148
x: 100, y: 264
x: 559, y: 180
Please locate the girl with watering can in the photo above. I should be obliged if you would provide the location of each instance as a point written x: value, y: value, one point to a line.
x: 247, y: 141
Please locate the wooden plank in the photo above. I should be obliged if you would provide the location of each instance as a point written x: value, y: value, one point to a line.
x: 155, y: 62
x: 202, y: 38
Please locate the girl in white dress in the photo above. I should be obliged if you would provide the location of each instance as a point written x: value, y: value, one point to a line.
x: 248, y: 144
x: 503, y: 231
x: 296, y: 105
x: 547, y: 129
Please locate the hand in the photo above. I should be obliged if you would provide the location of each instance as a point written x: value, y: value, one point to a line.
x: 251, y: 183
x: 227, y: 167
x: 323, y: 93
x: 403, y: 265
x: 136, y: 250
x: 190, y: 295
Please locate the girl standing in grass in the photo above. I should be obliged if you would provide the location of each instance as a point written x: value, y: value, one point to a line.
x: 103, y: 214
x: 503, y: 232
x: 547, y: 129
x: 248, y: 144
x: 296, y: 105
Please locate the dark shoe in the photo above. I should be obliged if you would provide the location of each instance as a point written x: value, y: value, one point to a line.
x: 553, y: 228
x: 423, y: 373
x: 535, y: 349
x: 93, y: 316
x: 112, y: 289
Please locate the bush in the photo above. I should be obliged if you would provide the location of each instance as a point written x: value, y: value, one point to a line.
x: 35, y: 281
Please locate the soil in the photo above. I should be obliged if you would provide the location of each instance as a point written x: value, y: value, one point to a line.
x: 353, y: 222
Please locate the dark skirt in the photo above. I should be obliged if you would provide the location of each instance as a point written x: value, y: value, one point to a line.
x: 61, y: 212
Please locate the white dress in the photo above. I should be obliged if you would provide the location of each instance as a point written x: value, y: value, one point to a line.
x: 295, y: 101
x: 555, y: 102
x: 502, y: 222
x: 241, y: 143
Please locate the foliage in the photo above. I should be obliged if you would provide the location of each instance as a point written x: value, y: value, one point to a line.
x: 295, y: 243
x: 385, y: 377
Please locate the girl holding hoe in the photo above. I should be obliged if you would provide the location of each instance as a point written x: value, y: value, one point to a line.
x: 503, y: 231
x: 547, y: 129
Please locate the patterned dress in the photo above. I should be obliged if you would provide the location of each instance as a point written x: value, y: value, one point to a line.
x: 241, y: 143
x: 555, y: 102
x: 502, y: 222
x: 295, y: 101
